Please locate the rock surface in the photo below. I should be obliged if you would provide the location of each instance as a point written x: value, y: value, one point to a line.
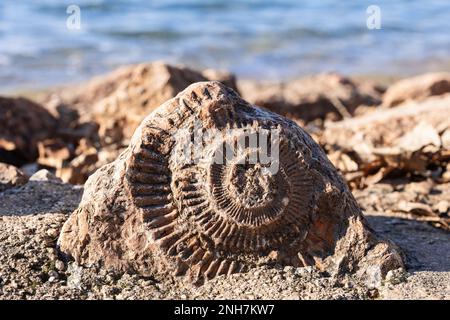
x: 153, y: 213
x: 120, y: 100
x: 409, y: 139
x: 222, y: 76
x: 43, y: 193
x: 145, y: 88
x: 32, y: 268
x: 314, y: 97
x: 417, y: 88
x: 99, y: 117
x: 10, y: 177
x: 23, y: 124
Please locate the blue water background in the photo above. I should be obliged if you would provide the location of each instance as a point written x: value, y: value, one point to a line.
x: 270, y: 40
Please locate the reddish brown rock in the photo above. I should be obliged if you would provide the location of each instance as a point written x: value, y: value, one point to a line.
x: 109, y: 108
x: 408, y: 139
x: 53, y: 152
x: 417, y: 88
x: 155, y: 212
x: 147, y: 86
x: 222, y: 76
x: 386, y: 128
x: 23, y: 124
x: 10, y: 177
x: 79, y: 169
x: 119, y: 101
x: 312, y: 97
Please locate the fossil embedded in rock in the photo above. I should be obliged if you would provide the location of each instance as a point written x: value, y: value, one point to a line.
x: 229, y: 203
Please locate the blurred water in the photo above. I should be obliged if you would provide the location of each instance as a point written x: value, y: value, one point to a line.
x: 255, y: 39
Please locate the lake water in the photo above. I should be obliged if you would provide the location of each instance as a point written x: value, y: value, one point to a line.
x: 255, y: 39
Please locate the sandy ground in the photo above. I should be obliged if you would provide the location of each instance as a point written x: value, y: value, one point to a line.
x: 31, y: 268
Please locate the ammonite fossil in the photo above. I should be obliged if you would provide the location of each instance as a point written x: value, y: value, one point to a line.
x: 211, y: 185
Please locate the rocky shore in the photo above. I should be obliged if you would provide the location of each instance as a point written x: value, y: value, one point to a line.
x: 390, y: 143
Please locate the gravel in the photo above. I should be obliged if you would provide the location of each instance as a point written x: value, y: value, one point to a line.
x: 32, y: 268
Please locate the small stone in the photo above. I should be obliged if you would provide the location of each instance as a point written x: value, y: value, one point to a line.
x: 74, y: 280
x: 373, y: 293
x: 442, y: 206
x: 53, y: 276
x: 446, y: 176
x: 395, y: 276
x: 348, y: 284
x: 277, y: 278
x: 289, y: 269
x: 373, y: 277
x: 45, y: 176
x: 59, y: 265
x: 11, y: 177
x: 304, y: 271
x: 52, y: 233
x: 109, y: 278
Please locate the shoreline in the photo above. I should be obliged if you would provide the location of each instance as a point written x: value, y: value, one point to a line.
x: 36, y: 93
x: 381, y: 78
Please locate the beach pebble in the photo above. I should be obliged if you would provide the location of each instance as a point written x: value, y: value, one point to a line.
x: 395, y: 276
x: 53, y: 276
x: 59, y: 265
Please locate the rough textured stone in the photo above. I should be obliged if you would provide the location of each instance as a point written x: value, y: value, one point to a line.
x: 43, y: 193
x: 23, y: 124
x: 152, y: 213
x: 108, y: 109
x: 312, y: 97
x: 146, y: 87
x: 417, y: 88
x: 385, y: 128
x: 407, y: 139
x: 120, y: 100
x: 10, y: 177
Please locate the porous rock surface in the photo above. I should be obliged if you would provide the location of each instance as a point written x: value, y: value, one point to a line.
x: 313, y: 97
x: 412, y: 138
x: 23, y: 124
x: 120, y: 100
x: 417, y: 88
x: 152, y: 213
x: 98, y: 118
x: 10, y: 177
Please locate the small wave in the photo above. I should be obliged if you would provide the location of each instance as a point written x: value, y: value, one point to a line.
x: 4, y: 60
x: 154, y: 35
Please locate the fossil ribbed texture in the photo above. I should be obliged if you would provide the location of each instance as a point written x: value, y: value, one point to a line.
x: 156, y: 213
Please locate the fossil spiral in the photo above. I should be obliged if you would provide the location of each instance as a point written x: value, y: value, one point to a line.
x: 211, y: 185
